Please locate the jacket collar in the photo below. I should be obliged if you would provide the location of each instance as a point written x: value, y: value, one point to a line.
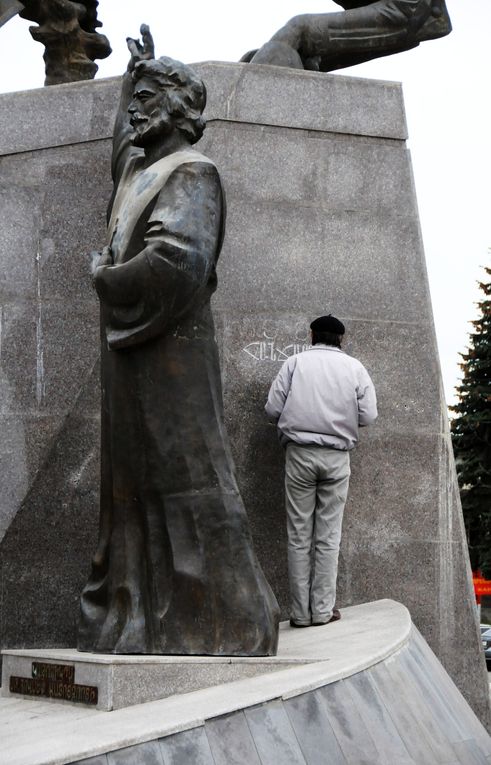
x: 324, y: 347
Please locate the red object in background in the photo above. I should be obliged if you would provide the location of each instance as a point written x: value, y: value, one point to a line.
x: 482, y: 586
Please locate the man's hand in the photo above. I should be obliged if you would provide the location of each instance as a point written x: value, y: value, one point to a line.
x: 98, y: 259
x: 140, y: 51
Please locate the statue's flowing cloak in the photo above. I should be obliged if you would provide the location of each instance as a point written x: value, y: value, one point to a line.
x: 175, y: 570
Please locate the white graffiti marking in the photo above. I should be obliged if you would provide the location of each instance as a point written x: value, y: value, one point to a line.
x: 264, y: 350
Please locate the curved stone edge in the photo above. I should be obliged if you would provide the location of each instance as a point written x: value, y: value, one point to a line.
x: 366, y: 635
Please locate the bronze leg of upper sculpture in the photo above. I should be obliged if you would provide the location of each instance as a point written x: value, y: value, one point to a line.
x: 329, y: 41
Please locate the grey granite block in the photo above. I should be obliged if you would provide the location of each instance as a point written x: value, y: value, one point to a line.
x: 190, y: 746
x: 84, y: 111
x: 395, y: 568
x: 231, y: 741
x: 278, y: 96
x: 312, y: 260
x: 372, y: 710
x: 46, y: 551
x: 141, y: 754
x: 324, y: 170
x: 310, y: 722
x: 19, y: 235
x: 22, y: 455
x: 72, y: 113
x: 136, y: 684
x: 378, y: 466
x: 446, y: 715
x: 353, y: 736
x: 44, y: 365
x: 467, y: 716
x: 70, y: 216
x: 273, y: 734
x: 419, y: 705
x: 407, y: 718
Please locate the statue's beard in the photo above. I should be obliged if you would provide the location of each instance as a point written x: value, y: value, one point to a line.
x: 140, y: 140
x: 153, y: 130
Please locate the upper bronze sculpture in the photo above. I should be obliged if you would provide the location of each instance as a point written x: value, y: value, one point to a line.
x: 175, y: 571
x: 68, y: 32
x: 365, y: 30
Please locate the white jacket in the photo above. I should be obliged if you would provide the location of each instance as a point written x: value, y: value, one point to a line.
x: 322, y: 396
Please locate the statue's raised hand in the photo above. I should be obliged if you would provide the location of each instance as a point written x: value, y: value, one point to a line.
x: 140, y: 51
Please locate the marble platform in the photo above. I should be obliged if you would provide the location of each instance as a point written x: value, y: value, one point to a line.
x: 365, y: 690
x: 122, y: 681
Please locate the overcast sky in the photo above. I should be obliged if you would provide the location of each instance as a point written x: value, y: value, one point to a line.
x: 447, y: 89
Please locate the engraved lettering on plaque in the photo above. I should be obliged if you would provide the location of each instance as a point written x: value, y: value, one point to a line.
x: 62, y: 672
x: 54, y: 681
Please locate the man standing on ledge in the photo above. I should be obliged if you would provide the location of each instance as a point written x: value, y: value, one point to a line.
x: 319, y: 399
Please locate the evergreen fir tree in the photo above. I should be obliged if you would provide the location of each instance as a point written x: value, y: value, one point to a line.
x: 471, y: 435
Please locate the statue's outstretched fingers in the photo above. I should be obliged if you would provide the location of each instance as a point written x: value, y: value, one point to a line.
x: 134, y: 47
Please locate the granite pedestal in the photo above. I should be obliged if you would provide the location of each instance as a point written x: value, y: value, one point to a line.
x: 113, y: 682
x: 322, y: 216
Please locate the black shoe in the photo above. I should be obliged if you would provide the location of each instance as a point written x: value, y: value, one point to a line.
x: 336, y: 616
x: 294, y: 624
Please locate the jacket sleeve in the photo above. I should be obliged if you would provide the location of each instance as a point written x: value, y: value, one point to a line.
x: 181, y: 243
x: 279, y: 391
x: 367, y: 400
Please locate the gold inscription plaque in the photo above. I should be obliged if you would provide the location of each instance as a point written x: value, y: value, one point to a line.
x: 53, y: 681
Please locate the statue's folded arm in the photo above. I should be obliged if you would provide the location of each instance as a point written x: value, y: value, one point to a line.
x: 161, y: 280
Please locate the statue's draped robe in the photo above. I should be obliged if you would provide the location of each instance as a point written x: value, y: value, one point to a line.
x: 175, y: 570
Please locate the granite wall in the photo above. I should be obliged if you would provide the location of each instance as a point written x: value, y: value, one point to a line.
x: 322, y: 217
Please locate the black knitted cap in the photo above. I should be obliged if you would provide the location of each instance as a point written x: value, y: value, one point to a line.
x: 328, y: 324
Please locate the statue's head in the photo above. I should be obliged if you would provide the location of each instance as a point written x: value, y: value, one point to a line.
x: 167, y: 95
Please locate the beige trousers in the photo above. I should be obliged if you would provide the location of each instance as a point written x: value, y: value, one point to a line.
x: 316, y: 488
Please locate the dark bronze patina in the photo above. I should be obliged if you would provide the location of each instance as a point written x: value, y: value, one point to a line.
x: 365, y: 30
x: 9, y: 8
x: 68, y: 32
x: 175, y: 571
